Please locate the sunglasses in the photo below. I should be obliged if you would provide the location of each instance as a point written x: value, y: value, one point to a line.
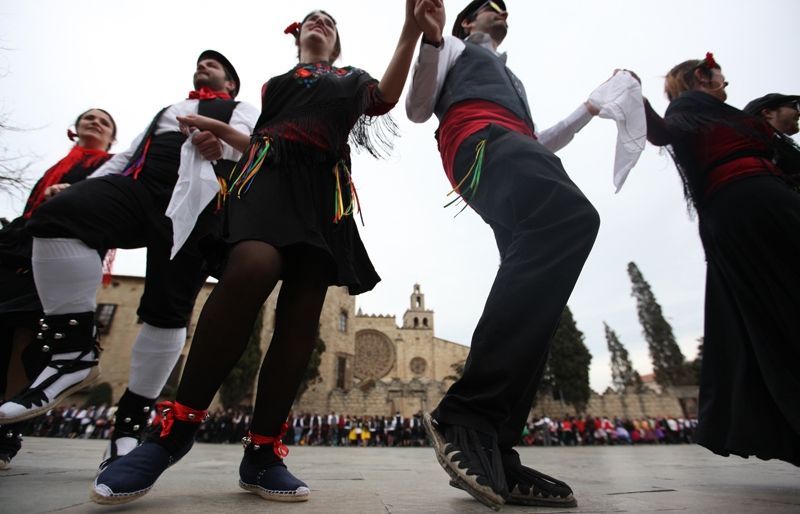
x: 491, y: 5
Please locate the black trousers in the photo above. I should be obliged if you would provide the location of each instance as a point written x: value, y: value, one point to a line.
x: 545, y: 228
x: 119, y: 212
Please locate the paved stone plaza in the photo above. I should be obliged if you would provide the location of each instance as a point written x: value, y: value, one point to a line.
x: 53, y: 475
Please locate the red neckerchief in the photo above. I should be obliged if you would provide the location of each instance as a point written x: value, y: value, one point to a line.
x: 78, y: 155
x: 208, y: 94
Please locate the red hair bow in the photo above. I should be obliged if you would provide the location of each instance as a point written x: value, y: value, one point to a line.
x: 293, y: 29
x: 710, y: 62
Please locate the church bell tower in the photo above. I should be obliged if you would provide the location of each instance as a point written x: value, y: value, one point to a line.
x: 417, y: 316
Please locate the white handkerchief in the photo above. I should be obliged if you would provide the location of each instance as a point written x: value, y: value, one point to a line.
x: 197, y: 184
x: 620, y: 99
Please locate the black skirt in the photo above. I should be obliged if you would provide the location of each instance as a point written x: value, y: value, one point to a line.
x: 750, y: 384
x: 290, y: 204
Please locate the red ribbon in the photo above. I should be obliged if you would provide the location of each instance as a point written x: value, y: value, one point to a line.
x: 280, y: 449
x: 293, y: 29
x: 710, y: 62
x: 168, y: 412
x: 206, y: 93
x: 108, y: 266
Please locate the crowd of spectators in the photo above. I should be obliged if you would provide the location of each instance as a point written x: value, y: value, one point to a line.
x: 590, y: 431
x: 230, y: 426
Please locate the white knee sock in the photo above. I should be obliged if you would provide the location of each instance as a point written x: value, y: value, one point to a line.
x: 154, y: 354
x: 67, y: 274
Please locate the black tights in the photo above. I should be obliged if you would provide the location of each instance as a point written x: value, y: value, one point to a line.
x: 227, y: 319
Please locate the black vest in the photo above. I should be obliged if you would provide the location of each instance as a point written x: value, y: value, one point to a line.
x: 163, y: 154
x: 480, y: 74
x: 221, y: 110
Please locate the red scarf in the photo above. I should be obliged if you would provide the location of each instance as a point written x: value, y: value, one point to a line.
x: 78, y: 156
x: 208, y: 94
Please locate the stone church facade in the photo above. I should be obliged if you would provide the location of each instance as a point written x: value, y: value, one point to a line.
x: 379, y: 367
x: 371, y: 366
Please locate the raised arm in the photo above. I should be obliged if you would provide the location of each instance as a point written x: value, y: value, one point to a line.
x: 394, y: 78
x: 658, y: 132
x: 559, y: 135
x: 433, y: 63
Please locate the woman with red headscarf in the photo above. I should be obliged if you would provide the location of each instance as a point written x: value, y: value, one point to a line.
x: 20, y: 309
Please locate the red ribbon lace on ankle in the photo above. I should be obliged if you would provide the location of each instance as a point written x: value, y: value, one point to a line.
x: 280, y: 449
x: 168, y: 412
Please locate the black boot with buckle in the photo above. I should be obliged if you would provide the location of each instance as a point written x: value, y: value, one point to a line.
x: 130, y: 422
x: 70, y: 340
x: 10, y: 444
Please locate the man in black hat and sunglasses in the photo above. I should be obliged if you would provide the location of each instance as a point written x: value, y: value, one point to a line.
x: 782, y: 112
x: 123, y: 205
x: 544, y: 228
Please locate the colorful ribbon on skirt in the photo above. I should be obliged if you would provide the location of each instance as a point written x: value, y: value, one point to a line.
x: 257, y: 152
x: 339, y: 209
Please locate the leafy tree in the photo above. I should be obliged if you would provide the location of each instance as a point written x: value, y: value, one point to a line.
x: 12, y: 166
x: 623, y: 376
x: 697, y: 363
x: 458, y: 370
x: 239, y: 383
x: 669, y: 364
x: 311, y: 375
x: 567, y: 372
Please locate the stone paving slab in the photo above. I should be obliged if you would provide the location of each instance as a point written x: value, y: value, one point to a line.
x: 53, y: 475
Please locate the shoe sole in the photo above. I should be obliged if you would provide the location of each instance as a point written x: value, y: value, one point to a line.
x: 489, y: 498
x: 526, y: 500
x: 116, y: 499
x: 274, y: 495
x: 539, y: 501
x: 90, y: 379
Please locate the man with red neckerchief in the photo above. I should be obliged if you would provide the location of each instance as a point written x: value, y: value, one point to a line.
x: 124, y: 205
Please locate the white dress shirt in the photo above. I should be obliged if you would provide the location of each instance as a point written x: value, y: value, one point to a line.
x: 430, y: 72
x: 243, y: 119
x: 197, y: 184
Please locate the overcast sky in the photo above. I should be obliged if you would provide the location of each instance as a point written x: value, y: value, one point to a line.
x: 131, y: 58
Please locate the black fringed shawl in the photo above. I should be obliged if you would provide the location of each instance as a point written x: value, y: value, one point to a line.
x: 326, y: 106
x: 688, y: 124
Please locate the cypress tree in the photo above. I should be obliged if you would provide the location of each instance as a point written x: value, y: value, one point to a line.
x: 568, y: 364
x: 669, y: 364
x: 623, y: 376
x: 697, y: 364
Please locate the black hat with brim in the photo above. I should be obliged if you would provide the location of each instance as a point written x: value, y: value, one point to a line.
x: 229, y: 69
x: 770, y: 101
x: 469, y: 10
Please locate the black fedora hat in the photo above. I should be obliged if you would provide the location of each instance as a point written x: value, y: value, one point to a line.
x: 769, y: 101
x: 469, y: 10
x: 229, y: 69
